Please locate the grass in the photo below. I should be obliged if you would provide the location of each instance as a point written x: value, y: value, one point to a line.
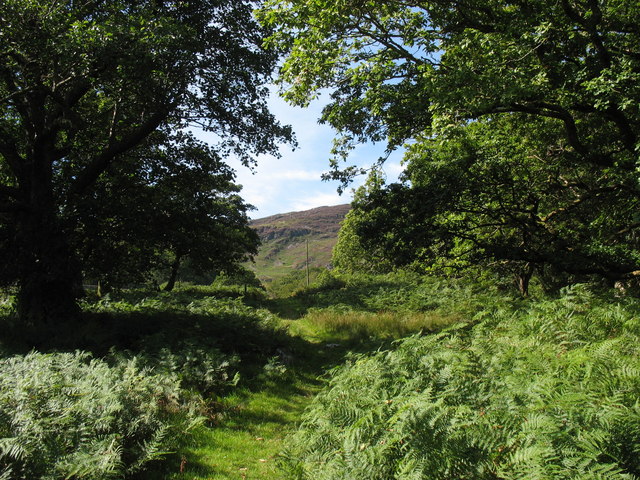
x: 360, y: 326
x: 285, y: 346
x: 246, y: 439
x: 287, y: 350
x: 548, y: 389
x: 277, y: 259
x: 246, y: 443
x: 324, y: 325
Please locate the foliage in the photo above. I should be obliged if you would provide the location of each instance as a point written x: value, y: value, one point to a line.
x: 354, y: 252
x: 401, y: 70
x: 194, y: 349
x: 547, y: 391
x: 293, y: 282
x: 328, y: 281
x: 83, y: 85
x: 407, y: 292
x: 484, y: 195
x: 191, y: 208
x: 70, y: 416
x: 201, y: 318
x: 239, y: 276
x: 519, y: 119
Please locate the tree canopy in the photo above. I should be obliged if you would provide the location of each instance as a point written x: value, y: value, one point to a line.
x: 521, y: 120
x: 181, y: 203
x: 83, y: 84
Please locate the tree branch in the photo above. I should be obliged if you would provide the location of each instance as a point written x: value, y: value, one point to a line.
x: 101, y: 162
x: 555, y: 111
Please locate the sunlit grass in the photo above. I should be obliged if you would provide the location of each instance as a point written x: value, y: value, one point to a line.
x: 247, y: 440
x: 300, y: 337
x: 353, y: 326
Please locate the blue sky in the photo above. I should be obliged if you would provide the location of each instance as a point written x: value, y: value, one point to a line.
x: 292, y: 182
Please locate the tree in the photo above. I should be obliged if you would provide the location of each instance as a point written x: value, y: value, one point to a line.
x: 486, y: 195
x: 202, y: 215
x: 457, y: 78
x: 354, y: 252
x: 84, y: 83
x: 172, y: 202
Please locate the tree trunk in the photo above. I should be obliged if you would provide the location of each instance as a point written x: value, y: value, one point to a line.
x: 173, y: 276
x: 523, y: 278
x: 49, y: 276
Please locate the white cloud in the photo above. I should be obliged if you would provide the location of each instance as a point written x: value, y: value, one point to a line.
x: 393, y: 169
x: 293, y: 181
x: 301, y: 175
x: 321, y: 200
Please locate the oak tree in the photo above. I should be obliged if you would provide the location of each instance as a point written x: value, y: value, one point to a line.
x: 158, y: 207
x: 84, y: 83
x: 465, y: 82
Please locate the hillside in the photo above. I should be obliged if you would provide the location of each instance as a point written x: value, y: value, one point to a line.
x: 284, y: 240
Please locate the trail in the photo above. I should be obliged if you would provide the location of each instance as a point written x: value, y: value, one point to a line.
x: 247, y: 439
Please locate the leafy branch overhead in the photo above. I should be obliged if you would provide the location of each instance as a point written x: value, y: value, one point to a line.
x: 526, y: 111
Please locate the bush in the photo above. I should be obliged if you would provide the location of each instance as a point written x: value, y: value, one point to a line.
x: 295, y: 281
x: 547, y: 392
x: 327, y: 281
x: 196, y: 364
x: 70, y: 416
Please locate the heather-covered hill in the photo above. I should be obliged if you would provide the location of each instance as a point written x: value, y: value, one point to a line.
x: 284, y: 240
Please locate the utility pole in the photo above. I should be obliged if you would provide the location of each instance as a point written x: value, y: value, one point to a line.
x: 308, y: 283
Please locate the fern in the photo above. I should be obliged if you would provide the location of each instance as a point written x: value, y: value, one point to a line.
x: 544, y: 392
x: 70, y: 416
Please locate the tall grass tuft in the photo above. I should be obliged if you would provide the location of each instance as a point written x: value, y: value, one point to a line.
x: 361, y: 326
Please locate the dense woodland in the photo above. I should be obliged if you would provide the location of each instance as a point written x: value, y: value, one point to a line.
x: 481, y: 319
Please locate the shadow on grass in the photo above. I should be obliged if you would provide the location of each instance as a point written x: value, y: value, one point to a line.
x: 264, y: 399
x: 354, y: 296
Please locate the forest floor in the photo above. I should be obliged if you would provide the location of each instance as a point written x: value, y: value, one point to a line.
x: 240, y: 379
x: 282, y: 348
x: 249, y: 437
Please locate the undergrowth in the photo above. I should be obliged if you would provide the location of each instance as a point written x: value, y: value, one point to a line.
x: 402, y: 292
x: 546, y: 391
x: 68, y: 415
x: 128, y: 384
x: 486, y: 386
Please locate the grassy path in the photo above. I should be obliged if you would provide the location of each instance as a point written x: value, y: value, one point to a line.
x: 246, y: 443
x: 247, y: 439
x: 249, y: 436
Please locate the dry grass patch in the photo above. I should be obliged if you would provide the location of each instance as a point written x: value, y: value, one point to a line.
x: 355, y: 325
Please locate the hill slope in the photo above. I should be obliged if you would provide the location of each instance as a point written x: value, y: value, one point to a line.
x: 284, y: 240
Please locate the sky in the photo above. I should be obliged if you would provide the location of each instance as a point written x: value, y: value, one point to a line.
x: 293, y: 182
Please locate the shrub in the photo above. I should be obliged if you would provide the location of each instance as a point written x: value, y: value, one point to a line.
x: 327, y: 281
x: 197, y: 365
x: 294, y: 281
x: 67, y: 415
x: 546, y: 392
